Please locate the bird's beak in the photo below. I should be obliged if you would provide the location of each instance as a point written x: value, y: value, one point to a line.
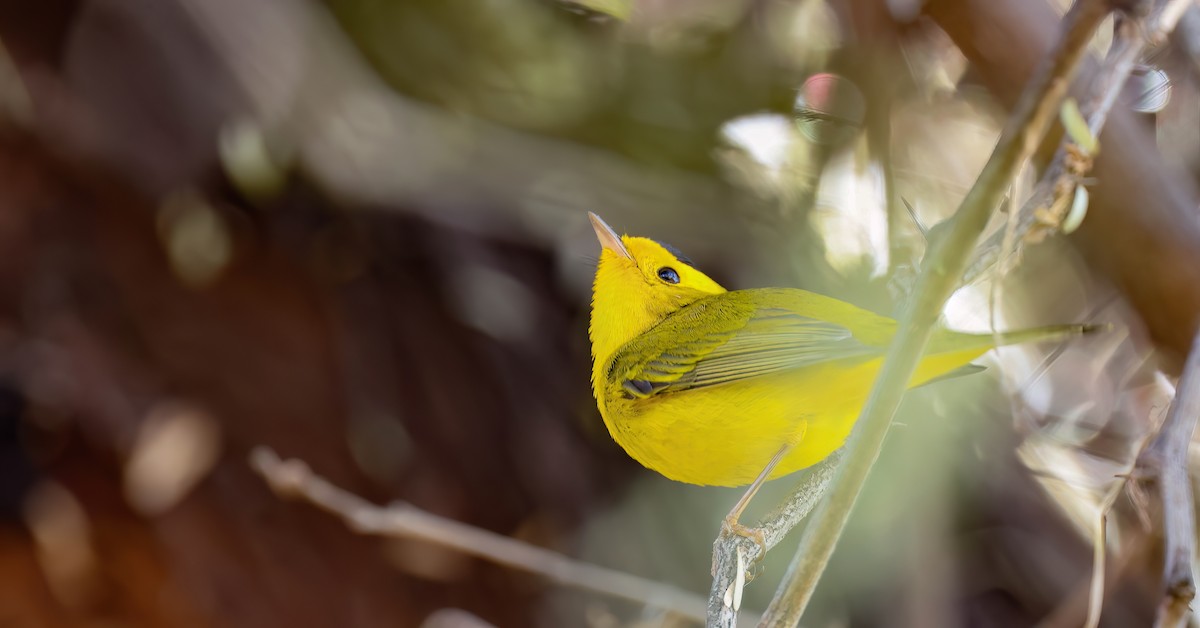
x: 608, y: 238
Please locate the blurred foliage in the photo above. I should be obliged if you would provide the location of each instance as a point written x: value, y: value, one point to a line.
x: 655, y: 92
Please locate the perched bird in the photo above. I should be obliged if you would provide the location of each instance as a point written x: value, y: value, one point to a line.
x: 708, y: 386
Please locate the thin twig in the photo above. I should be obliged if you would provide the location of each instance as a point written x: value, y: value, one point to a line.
x: 1043, y: 210
x: 293, y: 478
x: 1100, y: 553
x: 775, y: 526
x: 1076, y: 606
x: 939, y: 277
x: 1162, y: 467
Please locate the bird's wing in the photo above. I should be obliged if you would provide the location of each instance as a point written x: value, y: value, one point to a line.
x: 721, y: 343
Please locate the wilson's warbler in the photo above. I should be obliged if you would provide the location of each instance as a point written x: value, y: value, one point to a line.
x: 723, y: 388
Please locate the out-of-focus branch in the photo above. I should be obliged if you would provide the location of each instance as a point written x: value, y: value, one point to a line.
x: 1076, y: 608
x: 1139, y: 202
x: 1187, y: 36
x: 294, y: 478
x: 1044, y: 211
x: 940, y: 275
x: 1163, y: 469
x: 733, y: 554
x: 1095, y: 598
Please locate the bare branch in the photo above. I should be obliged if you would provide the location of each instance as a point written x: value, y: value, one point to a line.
x: 1187, y: 36
x: 1163, y: 468
x: 1095, y: 599
x: 1075, y: 608
x: 294, y: 478
x: 940, y: 275
x: 775, y: 526
x: 1043, y: 212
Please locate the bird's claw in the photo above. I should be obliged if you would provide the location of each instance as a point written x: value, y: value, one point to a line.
x: 730, y: 526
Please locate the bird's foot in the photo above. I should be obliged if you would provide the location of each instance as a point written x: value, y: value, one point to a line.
x: 730, y: 526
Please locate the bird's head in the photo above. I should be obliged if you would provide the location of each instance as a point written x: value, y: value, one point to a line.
x: 638, y: 283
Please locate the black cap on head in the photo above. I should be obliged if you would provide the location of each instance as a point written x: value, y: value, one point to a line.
x: 677, y: 253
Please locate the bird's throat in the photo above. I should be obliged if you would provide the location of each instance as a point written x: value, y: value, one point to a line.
x: 620, y: 313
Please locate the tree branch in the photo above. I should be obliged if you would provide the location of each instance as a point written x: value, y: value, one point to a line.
x: 733, y: 553
x: 1043, y: 212
x: 940, y: 276
x: 1163, y: 468
x: 1187, y: 36
x: 294, y: 478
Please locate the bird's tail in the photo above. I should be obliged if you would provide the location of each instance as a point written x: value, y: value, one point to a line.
x: 1041, y: 334
x: 950, y: 353
x: 956, y: 341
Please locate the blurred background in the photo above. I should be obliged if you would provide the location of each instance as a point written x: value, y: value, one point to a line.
x: 355, y: 232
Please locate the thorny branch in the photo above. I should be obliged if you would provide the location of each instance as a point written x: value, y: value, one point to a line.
x: 733, y: 554
x: 940, y: 276
x: 1043, y: 212
x: 1162, y: 468
x: 294, y: 478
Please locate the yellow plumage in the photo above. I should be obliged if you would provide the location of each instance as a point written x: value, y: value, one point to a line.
x: 704, y: 385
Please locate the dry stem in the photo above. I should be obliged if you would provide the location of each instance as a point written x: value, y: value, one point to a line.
x: 1162, y: 467
x: 293, y: 478
x: 1095, y: 600
x: 1075, y: 608
x: 1130, y: 41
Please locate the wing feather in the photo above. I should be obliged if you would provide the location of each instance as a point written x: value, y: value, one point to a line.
x: 718, y: 341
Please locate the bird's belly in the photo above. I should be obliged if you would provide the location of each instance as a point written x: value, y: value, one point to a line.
x: 725, y: 435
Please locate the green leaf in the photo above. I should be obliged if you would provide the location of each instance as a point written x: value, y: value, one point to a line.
x: 1077, y: 126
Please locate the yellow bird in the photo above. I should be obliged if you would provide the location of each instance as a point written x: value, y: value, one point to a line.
x: 708, y: 386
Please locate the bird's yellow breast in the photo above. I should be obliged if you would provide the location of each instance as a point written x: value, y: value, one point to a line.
x: 724, y: 435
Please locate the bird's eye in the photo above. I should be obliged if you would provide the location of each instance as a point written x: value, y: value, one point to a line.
x: 668, y: 274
